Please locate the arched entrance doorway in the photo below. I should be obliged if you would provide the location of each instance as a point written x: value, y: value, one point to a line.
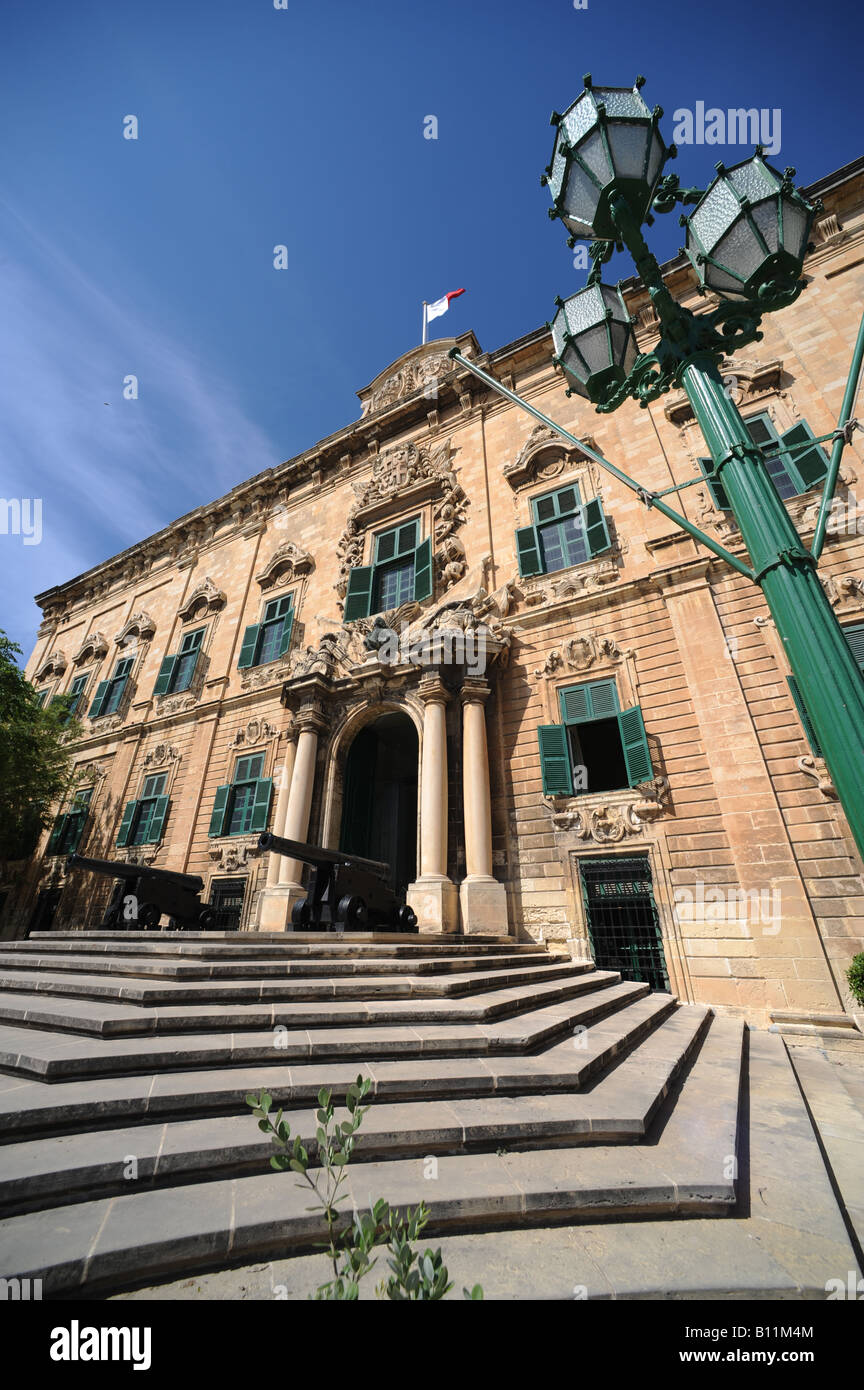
x: 379, y: 807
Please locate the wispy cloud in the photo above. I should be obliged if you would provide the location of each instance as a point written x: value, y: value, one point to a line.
x: 109, y: 470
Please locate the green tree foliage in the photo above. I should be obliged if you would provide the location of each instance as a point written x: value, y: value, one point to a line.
x: 855, y: 976
x: 35, y: 757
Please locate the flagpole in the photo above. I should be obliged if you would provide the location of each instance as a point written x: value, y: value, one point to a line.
x: 423, y: 339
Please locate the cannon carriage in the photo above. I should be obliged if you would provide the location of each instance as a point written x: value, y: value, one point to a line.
x: 347, y: 893
x: 155, y: 891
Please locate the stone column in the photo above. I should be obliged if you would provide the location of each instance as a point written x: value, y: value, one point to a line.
x: 279, y: 815
x: 278, y: 899
x: 483, y: 900
x: 433, y: 896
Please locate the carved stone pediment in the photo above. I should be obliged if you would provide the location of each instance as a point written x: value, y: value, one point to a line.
x: 542, y: 458
x: 612, y: 817
x: 421, y: 369
x: 285, y: 564
x: 581, y: 653
x: 93, y: 648
x: 140, y: 627
x: 256, y: 731
x: 204, y: 599
x: 55, y: 665
x: 231, y: 855
x: 161, y: 755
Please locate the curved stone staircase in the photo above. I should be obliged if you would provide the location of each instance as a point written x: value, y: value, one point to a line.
x: 510, y: 1090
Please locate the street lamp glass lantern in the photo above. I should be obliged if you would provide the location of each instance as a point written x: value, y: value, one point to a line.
x: 747, y: 236
x: 607, y: 144
x: 594, y: 341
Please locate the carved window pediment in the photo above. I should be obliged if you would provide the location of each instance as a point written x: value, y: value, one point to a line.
x: 204, y: 599
x: 288, y: 562
x: 93, y: 648
x: 543, y: 457
x: 53, y: 665
x: 140, y: 627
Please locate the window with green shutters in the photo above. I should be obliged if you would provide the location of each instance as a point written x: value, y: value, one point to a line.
x: 242, y: 807
x: 854, y: 635
x: 605, y: 743
x: 41, y: 696
x: 68, y: 828
x: 143, y: 821
x: 109, y: 693
x: 564, y: 532
x: 792, y: 473
x: 176, y: 672
x: 271, y: 638
x: 76, y: 693
x: 401, y: 572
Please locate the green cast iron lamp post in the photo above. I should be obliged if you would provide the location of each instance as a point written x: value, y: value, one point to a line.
x: 746, y: 238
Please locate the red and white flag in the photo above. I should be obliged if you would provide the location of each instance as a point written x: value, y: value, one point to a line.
x: 437, y: 308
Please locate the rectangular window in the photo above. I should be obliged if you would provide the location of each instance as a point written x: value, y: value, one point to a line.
x: 68, y: 828
x: 606, y: 744
x: 187, y: 660
x: 243, y: 805
x: 76, y: 693
x: 563, y: 533
x: 144, y: 823
x: 109, y: 693
x: 271, y: 638
x: 791, y: 473
x: 401, y: 572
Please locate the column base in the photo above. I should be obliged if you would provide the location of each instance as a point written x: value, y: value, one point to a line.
x: 275, y: 904
x: 436, y: 902
x: 483, y: 904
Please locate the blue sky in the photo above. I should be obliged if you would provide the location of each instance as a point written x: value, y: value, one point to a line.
x: 304, y: 127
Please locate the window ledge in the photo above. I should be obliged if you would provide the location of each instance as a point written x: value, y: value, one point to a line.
x: 610, y: 817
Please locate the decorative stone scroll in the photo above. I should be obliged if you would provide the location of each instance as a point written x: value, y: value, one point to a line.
x: 580, y: 653
x: 55, y: 664
x: 93, y: 648
x: 204, y: 600
x: 140, y: 626
x: 287, y: 563
x: 610, y: 822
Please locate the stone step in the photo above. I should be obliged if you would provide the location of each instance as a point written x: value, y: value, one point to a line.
x: 47, y: 1171
x: 54, y: 1056
x: 264, y: 945
x: 122, y: 1020
x: 97, y: 1244
x: 139, y: 965
x: 839, y: 1119
x: 123, y: 990
x: 36, y: 1107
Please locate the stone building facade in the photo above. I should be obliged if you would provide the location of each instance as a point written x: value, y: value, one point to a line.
x: 586, y: 733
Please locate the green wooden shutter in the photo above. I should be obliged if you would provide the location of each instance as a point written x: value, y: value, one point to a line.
x: 287, y: 629
x: 804, y: 716
x: 715, y: 487
x: 596, y: 530
x: 528, y: 551
x: 423, y: 570
x: 77, y: 832
x: 98, y: 700
x: 635, y: 745
x: 358, y: 599
x: 593, y: 700
x: 220, y: 810
x: 56, y: 835
x: 809, y: 466
x: 126, y: 823
x: 157, y: 820
x: 406, y: 540
x: 261, y: 804
x: 189, y: 675
x: 855, y: 637
x: 555, y: 760
x: 165, y: 676
x: 250, y: 642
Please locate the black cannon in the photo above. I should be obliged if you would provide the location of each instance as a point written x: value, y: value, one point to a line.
x: 346, y: 893
x: 155, y: 891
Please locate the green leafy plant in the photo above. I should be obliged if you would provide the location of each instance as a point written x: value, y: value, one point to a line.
x: 350, y: 1245
x: 855, y: 976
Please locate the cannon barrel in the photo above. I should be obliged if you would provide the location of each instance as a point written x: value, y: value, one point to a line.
x: 119, y: 869
x: 312, y: 854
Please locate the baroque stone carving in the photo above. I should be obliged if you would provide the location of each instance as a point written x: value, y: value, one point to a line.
x: 817, y: 769
x: 423, y: 373
x: 286, y: 563
x: 94, y: 647
x: 161, y: 754
x: 610, y: 822
x: 204, y: 599
x: 579, y: 653
x: 847, y: 589
x: 393, y: 472
x: 542, y: 457
x: 256, y: 731
x: 55, y: 663
x: 234, y: 854
x: 140, y: 626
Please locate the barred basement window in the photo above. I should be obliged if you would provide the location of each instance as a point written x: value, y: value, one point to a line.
x: 791, y: 474
x: 597, y: 735
x: 564, y: 532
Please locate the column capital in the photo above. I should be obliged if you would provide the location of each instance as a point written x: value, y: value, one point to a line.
x: 474, y: 691
x: 310, y: 719
x: 432, y: 690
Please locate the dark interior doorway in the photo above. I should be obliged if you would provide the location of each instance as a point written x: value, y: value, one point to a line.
x: 43, y: 912
x: 379, y: 808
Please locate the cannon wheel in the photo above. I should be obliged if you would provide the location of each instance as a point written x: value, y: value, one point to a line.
x: 206, y: 918
x: 301, y: 913
x: 352, y: 912
x: 148, y: 916
x: 406, y: 918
